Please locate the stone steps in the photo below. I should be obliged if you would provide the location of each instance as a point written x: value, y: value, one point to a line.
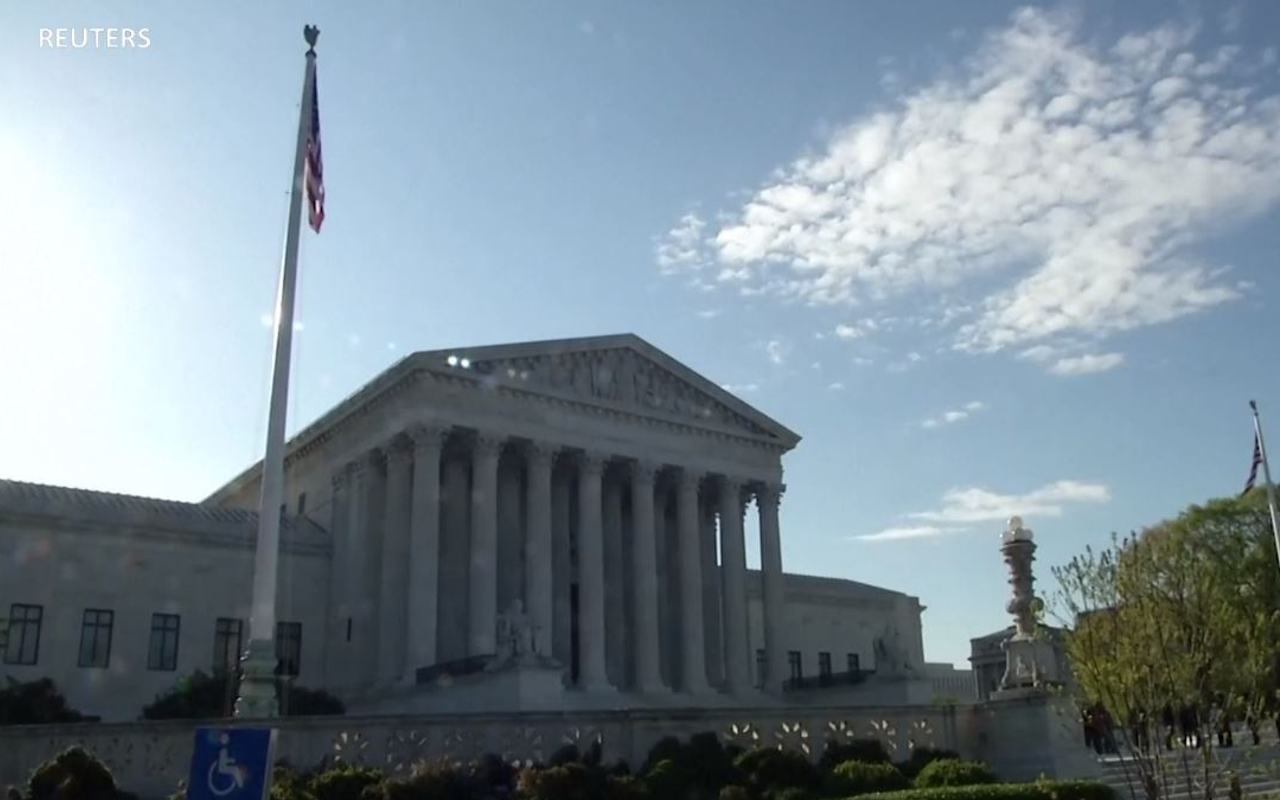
x: 1258, y: 769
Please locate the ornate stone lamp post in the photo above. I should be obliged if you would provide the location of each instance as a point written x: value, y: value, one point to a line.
x: 1030, y: 658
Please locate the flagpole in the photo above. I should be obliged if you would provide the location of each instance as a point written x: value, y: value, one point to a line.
x: 1266, y: 477
x: 258, y: 683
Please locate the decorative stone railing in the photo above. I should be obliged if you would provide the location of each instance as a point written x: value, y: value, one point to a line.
x: 151, y: 758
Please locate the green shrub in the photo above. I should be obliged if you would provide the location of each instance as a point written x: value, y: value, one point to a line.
x: 664, y: 780
x: 854, y: 778
x: 1040, y: 790
x: 922, y: 756
x: 789, y: 793
x: 836, y: 753
x: 204, y: 696
x: 437, y: 780
x: 770, y: 768
x: 565, y: 782
x: 304, y: 702
x: 698, y: 768
x: 286, y: 785
x: 734, y: 793
x: 668, y: 748
x: 73, y: 774
x: 34, y: 703
x: 342, y: 782
x: 954, y: 772
x: 625, y: 787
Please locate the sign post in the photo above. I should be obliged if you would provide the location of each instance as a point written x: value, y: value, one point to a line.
x: 231, y: 764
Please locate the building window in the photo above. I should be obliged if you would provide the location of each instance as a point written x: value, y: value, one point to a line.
x: 162, y: 654
x: 95, y: 637
x: 762, y: 667
x: 824, y: 666
x: 793, y: 661
x: 852, y: 663
x: 22, y: 639
x: 288, y: 648
x: 226, y: 644
x: 302, y: 503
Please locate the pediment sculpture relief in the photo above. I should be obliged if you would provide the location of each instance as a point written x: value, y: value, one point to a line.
x: 619, y: 376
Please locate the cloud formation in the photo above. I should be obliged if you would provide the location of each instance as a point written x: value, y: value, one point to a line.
x: 984, y: 505
x: 1085, y: 364
x: 908, y: 532
x: 954, y: 415
x: 1073, y: 177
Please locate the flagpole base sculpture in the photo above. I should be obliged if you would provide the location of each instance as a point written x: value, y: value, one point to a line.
x: 257, y: 697
x: 1031, y: 660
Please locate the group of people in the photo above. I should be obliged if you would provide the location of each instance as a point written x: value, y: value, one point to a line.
x: 1182, y: 728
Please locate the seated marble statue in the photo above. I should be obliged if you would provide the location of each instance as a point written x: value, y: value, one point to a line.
x: 515, y: 642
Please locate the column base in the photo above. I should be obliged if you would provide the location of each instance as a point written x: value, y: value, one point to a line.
x: 257, y: 698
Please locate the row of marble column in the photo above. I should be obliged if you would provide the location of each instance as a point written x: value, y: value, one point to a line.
x: 393, y: 542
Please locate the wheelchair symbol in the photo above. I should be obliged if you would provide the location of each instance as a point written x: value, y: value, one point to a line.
x: 225, y: 775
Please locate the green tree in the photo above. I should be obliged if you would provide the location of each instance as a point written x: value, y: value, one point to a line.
x: 35, y: 702
x: 1182, y: 616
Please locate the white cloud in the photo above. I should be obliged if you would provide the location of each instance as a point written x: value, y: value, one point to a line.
x: 908, y: 532
x: 682, y: 247
x: 861, y: 361
x: 984, y: 505
x: 857, y: 330
x: 776, y: 351
x: 1085, y: 364
x: 1071, y: 176
x: 954, y: 415
x: 709, y: 313
x: 740, y: 388
x: 836, y: 386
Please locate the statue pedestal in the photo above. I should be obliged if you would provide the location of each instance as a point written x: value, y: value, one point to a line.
x: 1030, y: 662
x: 1024, y: 733
x: 528, y: 687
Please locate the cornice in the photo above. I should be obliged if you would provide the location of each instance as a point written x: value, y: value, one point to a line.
x: 316, y: 435
x: 37, y: 523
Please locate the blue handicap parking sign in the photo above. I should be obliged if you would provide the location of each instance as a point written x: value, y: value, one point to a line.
x: 231, y: 764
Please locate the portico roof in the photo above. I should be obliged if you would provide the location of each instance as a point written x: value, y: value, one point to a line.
x: 513, y: 363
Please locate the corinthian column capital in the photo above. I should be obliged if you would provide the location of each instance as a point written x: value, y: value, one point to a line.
x: 487, y: 444
x: 644, y: 471
x: 399, y: 450
x: 592, y: 462
x: 540, y: 454
x: 428, y: 436
x: 769, y: 493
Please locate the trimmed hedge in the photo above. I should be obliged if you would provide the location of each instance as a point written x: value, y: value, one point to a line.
x: 855, y: 778
x: 921, y: 757
x: 953, y: 772
x: 837, y: 752
x: 73, y: 773
x: 1040, y: 790
x: 768, y: 768
x: 35, y: 702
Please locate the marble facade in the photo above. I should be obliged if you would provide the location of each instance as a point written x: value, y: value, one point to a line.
x: 532, y: 526
x: 590, y: 481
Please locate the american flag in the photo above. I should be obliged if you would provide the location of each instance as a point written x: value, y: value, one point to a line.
x: 315, y: 166
x: 1253, y: 468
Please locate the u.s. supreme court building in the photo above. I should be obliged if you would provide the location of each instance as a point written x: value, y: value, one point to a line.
x: 536, y: 526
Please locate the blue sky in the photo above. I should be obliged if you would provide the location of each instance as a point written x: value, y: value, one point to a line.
x: 984, y: 258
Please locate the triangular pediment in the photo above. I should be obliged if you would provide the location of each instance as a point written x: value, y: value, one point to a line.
x: 624, y: 372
